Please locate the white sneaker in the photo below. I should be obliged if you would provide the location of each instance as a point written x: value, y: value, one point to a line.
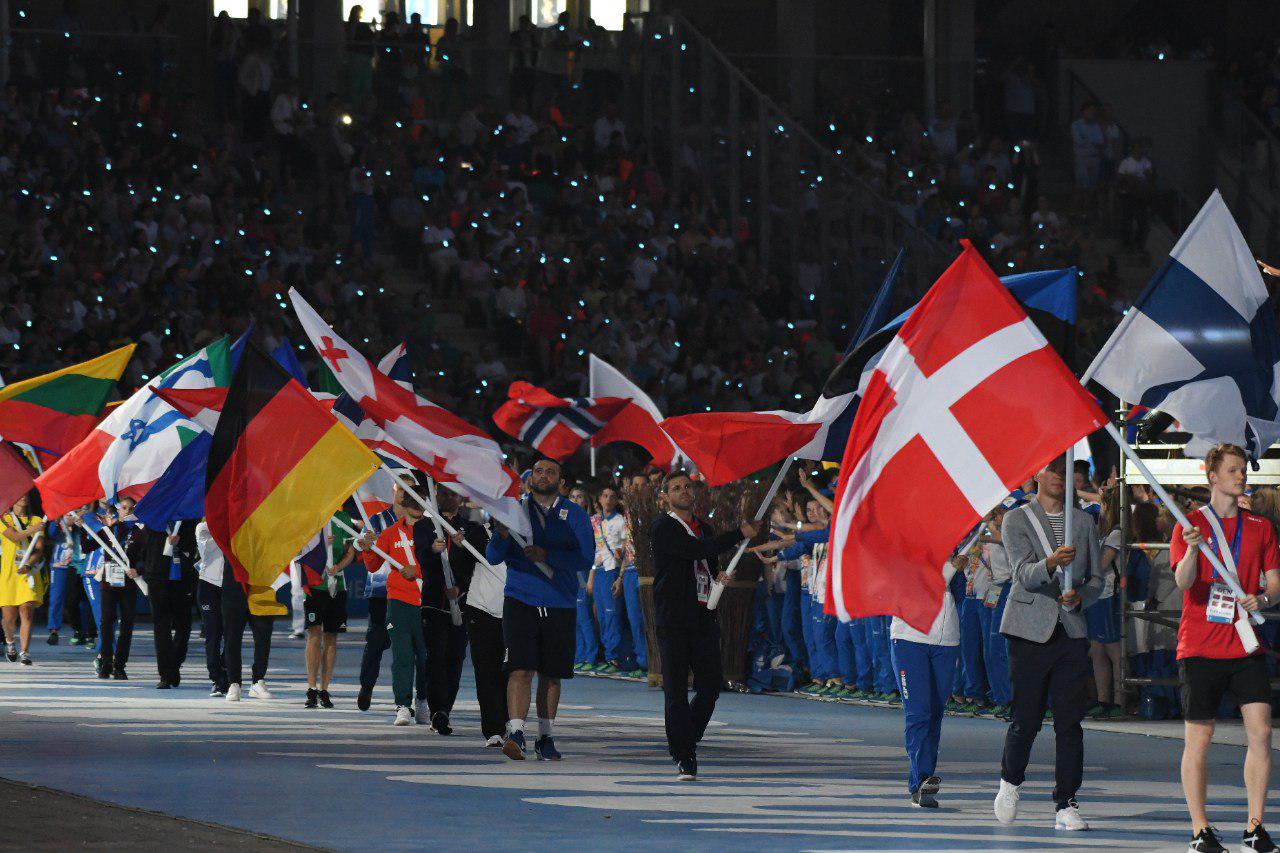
x: 494, y: 740
x: 259, y: 690
x: 1006, y: 804
x: 403, y: 716
x: 1069, y: 819
x: 421, y: 714
x: 233, y: 693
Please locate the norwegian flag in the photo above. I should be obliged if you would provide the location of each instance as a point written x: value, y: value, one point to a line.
x: 453, y: 452
x: 967, y: 401
x: 553, y: 426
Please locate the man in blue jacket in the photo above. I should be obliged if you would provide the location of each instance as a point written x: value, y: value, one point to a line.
x: 539, y: 611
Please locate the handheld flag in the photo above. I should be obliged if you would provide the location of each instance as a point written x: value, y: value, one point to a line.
x: 967, y: 401
x: 54, y: 412
x: 1202, y: 343
x: 279, y: 466
x: 636, y: 422
x: 132, y: 447
x: 554, y: 426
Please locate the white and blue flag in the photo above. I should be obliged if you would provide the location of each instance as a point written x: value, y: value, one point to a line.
x: 1202, y: 343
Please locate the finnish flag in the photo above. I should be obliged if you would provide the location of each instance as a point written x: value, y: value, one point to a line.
x: 1202, y: 343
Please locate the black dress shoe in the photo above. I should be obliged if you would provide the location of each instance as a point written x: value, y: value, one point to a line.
x: 364, y: 699
x: 119, y: 675
x: 164, y: 685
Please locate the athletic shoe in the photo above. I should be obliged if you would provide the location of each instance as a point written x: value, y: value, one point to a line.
x: 11, y: 652
x: 1048, y: 715
x: 895, y: 698
x: 297, y: 635
x: 955, y: 707
x: 163, y: 685
x: 103, y: 672
x: 1001, y: 712
x: 1006, y: 804
x: 52, y: 639
x: 421, y: 713
x: 259, y: 690
x: 513, y: 746
x: 97, y: 666
x: 118, y: 675
x: 404, y: 717
x: 440, y: 722
x: 313, y: 699
x: 325, y: 700
x: 687, y: 770
x: 1258, y: 839
x: 636, y: 673
x: 218, y: 690
x: 577, y: 667
x: 1206, y: 841
x: 545, y: 748
x: 1098, y: 710
x: 982, y: 708
x: 494, y: 740
x: 364, y: 698
x: 609, y: 669
x: 922, y: 799
x: 77, y: 639
x: 1115, y: 712
x: 1069, y: 819
x: 26, y: 659
x: 233, y: 692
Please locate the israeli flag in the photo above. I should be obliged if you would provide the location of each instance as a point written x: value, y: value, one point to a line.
x: 1202, y: 342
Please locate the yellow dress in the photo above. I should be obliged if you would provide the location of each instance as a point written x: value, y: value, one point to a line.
x: 15, y: 588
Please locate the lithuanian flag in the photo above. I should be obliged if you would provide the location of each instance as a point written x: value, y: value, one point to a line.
x: 280, y: 465
x: 54, y: 412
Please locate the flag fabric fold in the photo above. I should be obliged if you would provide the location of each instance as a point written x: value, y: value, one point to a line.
x: 279, y: 466
x: 453, y: 452
x: 55, y: 411
x: 134, y: 445
x: 966, y: 402
x: 636, y: 422
x: 16, y: 477
x: 554, y: 426
x: 1201, y: 343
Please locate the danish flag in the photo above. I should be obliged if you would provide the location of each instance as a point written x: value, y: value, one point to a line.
x: 554, y: 426
x: 453, y: 452
x: 967, y: 401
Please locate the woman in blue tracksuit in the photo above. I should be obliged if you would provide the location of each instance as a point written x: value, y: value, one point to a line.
x: 926, y: 664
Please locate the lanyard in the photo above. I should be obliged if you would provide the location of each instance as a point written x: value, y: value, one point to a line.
x: 1233, y: 562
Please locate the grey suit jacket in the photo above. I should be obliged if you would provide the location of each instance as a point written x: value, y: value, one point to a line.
x: 1032, y: 610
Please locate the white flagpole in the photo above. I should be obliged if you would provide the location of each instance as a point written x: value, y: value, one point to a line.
x: 1229, y: 577
x: 717, y: 588
x: 455, y: 613
x: 431, y: 510
x: 591, y: 392
x: 351, y: 531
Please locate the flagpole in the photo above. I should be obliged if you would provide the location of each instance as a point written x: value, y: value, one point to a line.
x: 455, y: 613
x: 351, y: 531
x: 717, y: 588
x: 591, y: 392
x: 431, y: 510
x: 1229, y: 577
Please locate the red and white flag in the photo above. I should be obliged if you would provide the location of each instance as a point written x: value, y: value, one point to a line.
x: 451, y: 451
x: 637, y: 422
x: 967, y: 402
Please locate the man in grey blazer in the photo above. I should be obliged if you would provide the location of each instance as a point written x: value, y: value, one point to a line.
x: 1048, y: 643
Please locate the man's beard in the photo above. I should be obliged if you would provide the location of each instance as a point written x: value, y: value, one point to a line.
x: 545, y: 490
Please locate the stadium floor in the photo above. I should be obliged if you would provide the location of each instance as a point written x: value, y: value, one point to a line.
x: 775, y: 771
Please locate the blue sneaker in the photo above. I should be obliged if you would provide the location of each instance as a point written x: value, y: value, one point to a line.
x: 513, y: 747
x: 545, y: 748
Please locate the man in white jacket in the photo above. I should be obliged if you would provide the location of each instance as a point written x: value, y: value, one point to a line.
x: 925, y: 665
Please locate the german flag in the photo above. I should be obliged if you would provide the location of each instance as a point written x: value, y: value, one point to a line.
x: 55, y: 411
x: 280, y: 465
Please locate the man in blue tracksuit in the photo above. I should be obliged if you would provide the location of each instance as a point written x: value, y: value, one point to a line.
x: 539, y: 609
x: 925, y: 664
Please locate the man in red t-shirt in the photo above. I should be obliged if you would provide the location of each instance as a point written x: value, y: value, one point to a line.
x: 1212, y: 661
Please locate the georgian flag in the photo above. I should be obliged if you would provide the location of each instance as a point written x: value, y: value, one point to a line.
x: 554, y: 426
x: 966, y: 402
x: 1202, y: 343
x: 453, y: 452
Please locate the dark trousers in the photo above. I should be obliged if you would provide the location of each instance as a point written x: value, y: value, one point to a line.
x: 376, y: 641
x: 686, y: 650
x: 408, y: 652
x: 487, y: 653
x: 122, y: 602
x: 446, y: 645
x: 171, y: 603
x: 209, y: 597
x: 1055, y: 671
x: 235, y: 613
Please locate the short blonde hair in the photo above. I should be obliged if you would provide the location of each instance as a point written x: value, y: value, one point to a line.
x: 1215, y: 456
